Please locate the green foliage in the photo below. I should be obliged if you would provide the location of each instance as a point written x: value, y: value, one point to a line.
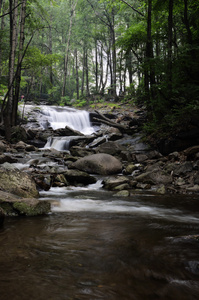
x: 65, y: 101
x: 80, y: 103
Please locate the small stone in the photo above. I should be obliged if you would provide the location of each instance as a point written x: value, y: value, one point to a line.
x: 130, y: 168
x: 161, y: 190
x: 143, y: 186
x: 180, y: 181
x: 123, y: 193
x: 141, y: 157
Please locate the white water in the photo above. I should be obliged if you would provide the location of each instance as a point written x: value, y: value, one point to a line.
x: 60, y: 118
x: 75, y: 119
x: 77, y: 199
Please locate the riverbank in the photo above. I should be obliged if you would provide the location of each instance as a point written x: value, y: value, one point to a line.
x: 117, y: 151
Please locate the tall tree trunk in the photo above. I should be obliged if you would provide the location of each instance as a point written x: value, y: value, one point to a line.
x: 13, y: 41
x: 67, y: 47
x: 51, y: 47
x: 87, y: 77
x: 101, y: 68
x: 83, y: 71
x: 18, y: 75
x: 77, y: 74
x: 114, y: 58
x: 96, y: 66
x: 149, y: 77
x: 2, y: 27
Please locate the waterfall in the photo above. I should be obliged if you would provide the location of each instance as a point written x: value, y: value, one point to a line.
x: 76, y: 119
x: 60, y: 117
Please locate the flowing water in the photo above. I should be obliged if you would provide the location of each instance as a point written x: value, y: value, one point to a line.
x: 97, y: 246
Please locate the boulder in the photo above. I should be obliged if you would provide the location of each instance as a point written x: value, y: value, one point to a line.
x: 100, y: 163
x: 183, y: 168
x: 12, y: 205
x: 111, y: 148
x: 154, y: 177
x: 114, y: 182
x: 18, y: 183
x: 76, y: 177
x: 79, y: 151
x: 18, y: 134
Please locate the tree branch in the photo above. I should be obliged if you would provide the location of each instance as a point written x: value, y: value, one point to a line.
x: 137, y: 11
x: 8, y: 13
x: 6, y: 95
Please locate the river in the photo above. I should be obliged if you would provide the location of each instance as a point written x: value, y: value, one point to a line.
x: 94, y: 245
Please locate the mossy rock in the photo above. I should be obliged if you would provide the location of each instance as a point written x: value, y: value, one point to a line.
x: 32, y: 208
x: 13, y: 205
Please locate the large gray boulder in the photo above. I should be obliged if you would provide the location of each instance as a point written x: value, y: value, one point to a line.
x: 12, y: 205
x: 76, y: 177
x: 100, y: 163
x: 18, y: 183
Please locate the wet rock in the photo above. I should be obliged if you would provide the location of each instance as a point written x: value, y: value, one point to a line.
x: 193, y: 189
x: 17, y: 206
x: 141, y: 157
x: 44, y: 182
x: 3, y: 146
x: 79, y: 151
x: 8, y: 166
x: 124, y: 193
x: 59, y: 180
x: 130, y: 168
x: 18, y: 183
x: 30, y: 148
x: 143, y: 186
x: 100, y: 163
x: 179, y: 181
x: 183, y: 168
x: 18, y: 134
x: 111, y: 148
x: 154, y: 177
x: 7, y: 158
x: 20, y: 146
x: 122, y: 187
x: 161, y: 190
x: 98, y: 141
x: 76, y: 177
x: 67, y: 131
x: 113, y: 182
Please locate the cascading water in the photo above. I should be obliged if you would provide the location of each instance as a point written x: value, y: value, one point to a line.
x: 61, y: 117
x: 44, y: 117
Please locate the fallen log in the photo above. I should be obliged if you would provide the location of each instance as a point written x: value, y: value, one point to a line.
x: 108, y: 122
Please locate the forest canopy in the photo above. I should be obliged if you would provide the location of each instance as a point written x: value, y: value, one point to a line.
x: 56, y: 51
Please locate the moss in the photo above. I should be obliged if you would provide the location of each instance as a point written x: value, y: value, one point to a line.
x: 42, y: 207
x: 7, y: 208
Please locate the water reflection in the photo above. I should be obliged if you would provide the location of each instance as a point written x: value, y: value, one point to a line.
x: 140, y: 248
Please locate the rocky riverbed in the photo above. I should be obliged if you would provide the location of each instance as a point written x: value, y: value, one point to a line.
x: 115, y: 151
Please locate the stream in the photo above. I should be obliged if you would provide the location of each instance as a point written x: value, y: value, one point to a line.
x: 94, y: 245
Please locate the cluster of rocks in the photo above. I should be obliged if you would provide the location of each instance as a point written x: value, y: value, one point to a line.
x: 124, y: 161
